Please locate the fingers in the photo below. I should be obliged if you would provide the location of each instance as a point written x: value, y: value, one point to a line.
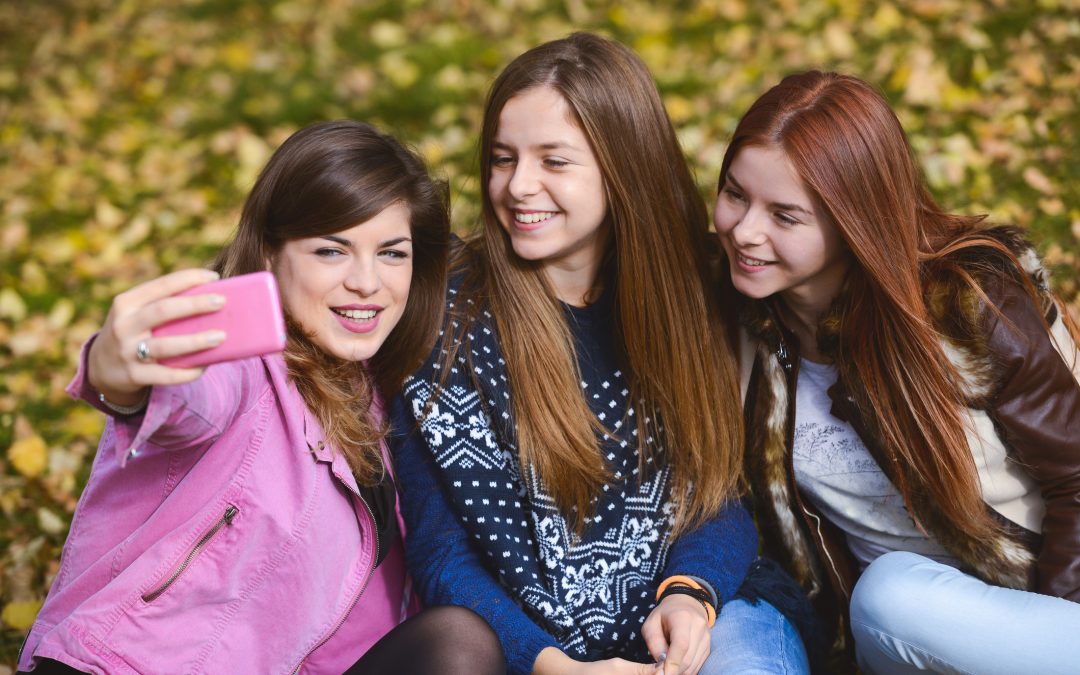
x: 678, y: 650
x: 652, y: 631
x: 117, y: 365
x: 177, y: 345
x: 155, y: 374
x: 686, y: 630
x: 163, y: 287
x: 169, y: 309
x: 704, y: 648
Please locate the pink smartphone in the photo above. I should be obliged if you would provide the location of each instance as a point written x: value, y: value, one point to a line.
x: 251, y: 318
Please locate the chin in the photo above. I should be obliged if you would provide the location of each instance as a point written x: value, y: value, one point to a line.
x: 528, y: 250
x: 750, y: 290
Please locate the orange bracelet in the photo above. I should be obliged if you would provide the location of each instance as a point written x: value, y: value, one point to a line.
x: 679, y: 580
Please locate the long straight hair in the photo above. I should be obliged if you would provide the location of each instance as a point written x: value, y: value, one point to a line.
x: 850, y: 150
x: 676, y: 349
x: 326, y: 178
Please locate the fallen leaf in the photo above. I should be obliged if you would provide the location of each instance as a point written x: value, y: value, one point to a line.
x: 29, y: 455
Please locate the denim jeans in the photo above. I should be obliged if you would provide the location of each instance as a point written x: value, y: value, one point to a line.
x: 910, y: 614
x: 754, y: 639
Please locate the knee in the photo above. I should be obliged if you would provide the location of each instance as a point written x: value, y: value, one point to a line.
x: 889, y: 595
x: 466, y: 641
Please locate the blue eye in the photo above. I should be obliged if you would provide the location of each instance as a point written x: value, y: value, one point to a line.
x: 328, y: 252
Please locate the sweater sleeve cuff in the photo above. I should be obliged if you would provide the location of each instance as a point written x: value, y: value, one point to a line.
x: 713, y: 598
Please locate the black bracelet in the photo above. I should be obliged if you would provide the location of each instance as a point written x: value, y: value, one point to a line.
x: 698, y: 594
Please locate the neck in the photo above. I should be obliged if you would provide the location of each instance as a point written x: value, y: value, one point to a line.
x: 802, y: 317
x: 573, y: 281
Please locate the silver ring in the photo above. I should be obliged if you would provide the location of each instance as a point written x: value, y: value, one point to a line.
x: 142, y: 351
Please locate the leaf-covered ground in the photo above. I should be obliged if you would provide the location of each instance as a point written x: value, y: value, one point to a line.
x: 130, y: 131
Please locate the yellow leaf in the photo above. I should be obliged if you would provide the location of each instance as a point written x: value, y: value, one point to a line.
x: 387, y: 34
x: 20, y: 614
x: 85, y: 421
x: 839, y: 40
x: 61, y: 314
x: 28, y: 456
x: 886, y: 20
x: 679, y: 108
x: 11, y: 305
x: 108, y: 215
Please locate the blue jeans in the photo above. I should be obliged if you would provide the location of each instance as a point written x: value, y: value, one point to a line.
x: 910, y: 614
x: 754, y: 639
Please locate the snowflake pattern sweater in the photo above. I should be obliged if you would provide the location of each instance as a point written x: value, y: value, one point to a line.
x: 484, y: 533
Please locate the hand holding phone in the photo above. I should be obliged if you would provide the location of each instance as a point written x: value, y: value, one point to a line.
x: 252, y: 320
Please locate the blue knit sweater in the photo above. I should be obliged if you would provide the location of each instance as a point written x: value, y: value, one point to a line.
x: 484, y: 533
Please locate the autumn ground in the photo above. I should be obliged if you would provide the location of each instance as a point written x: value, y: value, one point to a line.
x: 130, y: 131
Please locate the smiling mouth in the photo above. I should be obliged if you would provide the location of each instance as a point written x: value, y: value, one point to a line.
x: 533, y: 217
x: 751, y: 262
x: 355, y: 314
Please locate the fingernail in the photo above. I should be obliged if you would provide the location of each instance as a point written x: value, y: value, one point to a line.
x: 217, y: 301
x: 215, y: 337
x: 662, y: 657
x: 211, y: 275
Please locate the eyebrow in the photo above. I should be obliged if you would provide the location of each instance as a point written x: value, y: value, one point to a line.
x: 776, y: 205
x: 348, y: 244
x: 552, y: 145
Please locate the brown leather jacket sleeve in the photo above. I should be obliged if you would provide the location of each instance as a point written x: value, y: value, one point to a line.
x: 1038, y: 409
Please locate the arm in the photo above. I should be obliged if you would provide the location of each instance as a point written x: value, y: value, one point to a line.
x: 718, y: 554
x: 719, y: 551
x: 444, y: 565
x: 169, y: 406
x: 175, y: 417
x: 1038, y: 409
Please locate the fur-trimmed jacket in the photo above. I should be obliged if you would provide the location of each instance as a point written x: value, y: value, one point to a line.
x: 1022, y: 387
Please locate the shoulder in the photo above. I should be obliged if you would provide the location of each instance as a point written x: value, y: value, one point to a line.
x: 988, y: 310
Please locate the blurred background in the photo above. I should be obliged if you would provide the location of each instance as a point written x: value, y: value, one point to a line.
x: 131, y: 131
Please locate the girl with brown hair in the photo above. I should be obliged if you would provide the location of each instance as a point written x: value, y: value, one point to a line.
x: 242, y: 518
x: 574, y: 475
x: 912, y: 394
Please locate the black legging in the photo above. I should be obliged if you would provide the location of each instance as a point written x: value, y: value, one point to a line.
x: 445, y: 640
x: 442, y: 640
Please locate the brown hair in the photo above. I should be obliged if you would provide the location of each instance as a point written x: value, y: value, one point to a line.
x: 851, y: 152
x: 682, y: 371
x: 326, y: 178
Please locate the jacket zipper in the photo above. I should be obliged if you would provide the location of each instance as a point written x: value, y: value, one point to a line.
x: 793, y: 374
x: 356, y: 598
x: 226, y: 519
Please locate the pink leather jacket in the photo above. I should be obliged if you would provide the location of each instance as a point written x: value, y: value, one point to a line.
x: 219, y: 533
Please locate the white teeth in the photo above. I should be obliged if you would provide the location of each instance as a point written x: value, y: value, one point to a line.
x: 529, y: 218
x: 356, y: 314
x: 752, y: 262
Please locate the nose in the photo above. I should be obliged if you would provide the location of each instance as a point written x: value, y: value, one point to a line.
x: 363, y: 278
x: 524, y: 182
x: 749, y: 230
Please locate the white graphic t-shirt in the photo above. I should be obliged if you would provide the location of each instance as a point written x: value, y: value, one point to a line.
x: 837, y: 474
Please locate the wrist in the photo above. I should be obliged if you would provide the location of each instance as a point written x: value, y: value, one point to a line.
x: 688, y: 586
x: 131, y: 404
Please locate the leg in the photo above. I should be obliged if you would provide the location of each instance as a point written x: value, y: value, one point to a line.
x: 911, y: 614
x: 754, y: 639
x: 446, y: 640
